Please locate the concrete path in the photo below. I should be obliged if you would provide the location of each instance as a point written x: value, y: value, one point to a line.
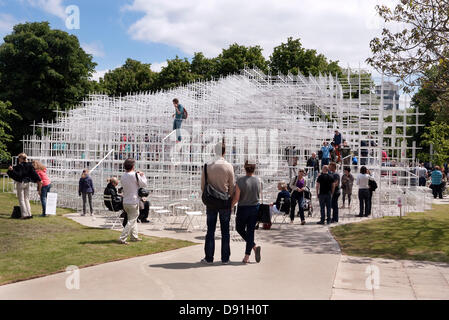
x: 382, y: 279
x: 298, y: 262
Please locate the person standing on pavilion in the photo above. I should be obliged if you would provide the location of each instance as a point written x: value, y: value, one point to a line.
x: 179, y: 116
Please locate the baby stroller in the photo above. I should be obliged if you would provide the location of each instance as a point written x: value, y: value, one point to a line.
x: 307, y: 201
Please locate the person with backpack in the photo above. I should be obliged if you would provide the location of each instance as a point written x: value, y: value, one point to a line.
x: 23, y: 174
x: 179, y: 115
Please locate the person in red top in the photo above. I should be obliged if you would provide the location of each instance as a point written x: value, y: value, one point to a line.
x: 44, y: 188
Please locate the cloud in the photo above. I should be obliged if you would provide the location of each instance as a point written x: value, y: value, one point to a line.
x: 340, y: 31
x: 54, y: 7
x: 157, y: 66
x: 99, y: 74
x: 94, y: 48
x: 7, y: 22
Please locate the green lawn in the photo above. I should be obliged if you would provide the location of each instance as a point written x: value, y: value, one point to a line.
x: 418, y: 236
x: 42, y: 246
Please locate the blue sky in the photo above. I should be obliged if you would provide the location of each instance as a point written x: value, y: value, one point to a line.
x: 103, y: 29
x: 153, y: 31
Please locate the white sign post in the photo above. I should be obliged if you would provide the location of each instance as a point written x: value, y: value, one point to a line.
x: 52, y: 199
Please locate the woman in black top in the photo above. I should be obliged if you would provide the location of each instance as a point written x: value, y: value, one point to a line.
x: 23, y: 173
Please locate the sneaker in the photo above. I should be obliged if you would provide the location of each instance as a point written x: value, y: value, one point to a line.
x: 303, y: 222
x: 320, y: 222
x: 122, y: 242
x: 204, y: 261
x: 225, y: 262
x: 83, y: 214
x: 145, y: 221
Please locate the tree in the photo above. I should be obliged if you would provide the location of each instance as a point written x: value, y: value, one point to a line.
x: 204, y: 67
x: 237, y: 57
x: 177, y: 72
x: 422, y: 43
x: 6, y: 115
x: 292, y: 57
x: 133, y: 76
x: 41, y: 70
x: 437, y: 134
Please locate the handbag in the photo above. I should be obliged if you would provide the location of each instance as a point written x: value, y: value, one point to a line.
x: 142, y: 192
x: 213, y: 198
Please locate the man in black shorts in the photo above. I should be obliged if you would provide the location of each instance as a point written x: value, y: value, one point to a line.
x: 324, y: 189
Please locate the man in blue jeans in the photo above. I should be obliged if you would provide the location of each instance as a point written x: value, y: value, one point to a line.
x: 220, y: 175
x: 324, y: 189
x: 179, y: 112
x: 336, y: 193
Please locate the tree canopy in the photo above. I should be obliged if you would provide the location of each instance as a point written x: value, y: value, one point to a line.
x: 41, y: 70
x: 7, y: 114
x: 292, y: 57
x: 133, y: 76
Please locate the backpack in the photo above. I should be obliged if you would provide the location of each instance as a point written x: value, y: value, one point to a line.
x: 185, y: 114
x: 16, y: 213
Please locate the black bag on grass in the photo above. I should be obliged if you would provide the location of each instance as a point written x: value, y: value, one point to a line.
x: 16, y: 213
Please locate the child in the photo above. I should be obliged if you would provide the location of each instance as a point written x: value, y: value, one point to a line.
x: 44, y: 188
x: 86, y: 190
x: 347, y: 181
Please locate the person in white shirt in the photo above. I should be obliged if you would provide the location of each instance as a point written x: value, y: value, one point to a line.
x: 364, y: 194
x: 131, y: 182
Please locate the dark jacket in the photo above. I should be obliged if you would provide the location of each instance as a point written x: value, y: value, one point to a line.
x: 86, y: 186
x: 117, y: 201
x: 337, y: 138
x: 284, y: 194
x: 313, y: 163
x: 24, y: 172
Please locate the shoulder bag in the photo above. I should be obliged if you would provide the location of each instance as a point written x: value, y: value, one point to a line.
x: 213, y: 198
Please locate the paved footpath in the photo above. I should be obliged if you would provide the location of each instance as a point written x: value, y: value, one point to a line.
x: 298, y: 262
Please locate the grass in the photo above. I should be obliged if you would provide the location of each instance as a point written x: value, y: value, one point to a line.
x: 42, y: 246
x: 418, y: 236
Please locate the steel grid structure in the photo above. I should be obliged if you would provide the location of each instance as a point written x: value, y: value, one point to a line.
x: 258, y: 116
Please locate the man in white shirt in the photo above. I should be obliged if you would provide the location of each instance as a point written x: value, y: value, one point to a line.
x: 131, y: 182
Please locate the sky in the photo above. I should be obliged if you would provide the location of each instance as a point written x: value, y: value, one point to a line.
x: 153, y: 31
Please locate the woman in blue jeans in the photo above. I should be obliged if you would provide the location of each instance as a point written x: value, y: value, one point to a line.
x: 247, y: 195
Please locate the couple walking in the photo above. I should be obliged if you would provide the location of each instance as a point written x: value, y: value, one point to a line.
x: 219, y: 175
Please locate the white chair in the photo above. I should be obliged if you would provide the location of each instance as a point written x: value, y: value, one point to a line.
x: 191, y: 220
x: 279, y: 214
x: 114, y: 215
